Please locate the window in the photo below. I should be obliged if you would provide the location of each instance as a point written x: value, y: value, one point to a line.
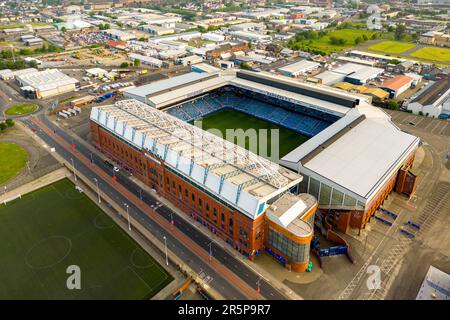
x: 222, y: 217
x: 200, y: 203
x: 207, y: 207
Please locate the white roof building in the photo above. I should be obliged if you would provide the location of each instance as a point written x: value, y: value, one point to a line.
x: 299, y: 68
x: 47, y: 83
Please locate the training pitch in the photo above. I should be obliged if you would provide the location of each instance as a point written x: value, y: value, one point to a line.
x: 232, y: 119
x: 52, y: 228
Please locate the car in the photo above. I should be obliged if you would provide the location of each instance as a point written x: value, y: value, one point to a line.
x: 412, y: 123
x: 116, y: 169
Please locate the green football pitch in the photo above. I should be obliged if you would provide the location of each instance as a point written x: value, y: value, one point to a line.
x: 50, y: 229
x: 231, y: 119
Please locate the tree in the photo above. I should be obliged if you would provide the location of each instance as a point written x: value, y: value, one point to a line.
x: 393, y: 105
x: 245, y: 66
x: 400, y: 32
x: 63, y: 29
x: 358, y: 40
x: 124, y: 65
x: 137, y: 62
x: 9, y: 122
x: 3, y: 126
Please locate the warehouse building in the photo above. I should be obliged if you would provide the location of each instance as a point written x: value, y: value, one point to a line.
x: 120, y: 35
x: 150, y: 61
x: 397, y: 85
x: 430, y: 100
x: 251, y: 36
x: 299, y: 68
x: 45, y: 84
x: 358, y: 74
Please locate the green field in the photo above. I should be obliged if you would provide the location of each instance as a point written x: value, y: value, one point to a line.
x: 323, y: 44
x: 232, y: 119
x: 12, y: 160
x: 52, y: 228
x: 392, y: 46
x: 433, y: 53
x: 21, y: 109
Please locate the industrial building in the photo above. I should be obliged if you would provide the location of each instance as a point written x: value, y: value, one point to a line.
x: 355, y: 156
x: 358, y: 74
x: 150, y: 61
x: 45, y: 84
x: 430, y: 99
x: 397, y: 85
x: 251, y: 36
x: 299, y: 68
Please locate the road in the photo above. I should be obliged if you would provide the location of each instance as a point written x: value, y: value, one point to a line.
x: 222, y: 281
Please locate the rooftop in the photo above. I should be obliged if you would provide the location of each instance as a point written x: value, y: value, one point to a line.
x: 434, y: 93
x: 203, y: 156
x: 364, y: 143
x: 288, y: 212
x: 397, y: 82
x: 299, y: 66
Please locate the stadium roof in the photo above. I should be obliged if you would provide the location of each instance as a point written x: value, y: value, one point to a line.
x: 239, y: 177
x: 166, y: 84
x: 356, y: 154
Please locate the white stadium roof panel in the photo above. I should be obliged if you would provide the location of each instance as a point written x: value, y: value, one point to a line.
x: 199, y: 154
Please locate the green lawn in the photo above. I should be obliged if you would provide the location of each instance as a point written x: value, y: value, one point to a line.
x: 52, y: 228
x: 21, y: 109
x: 392, y: 46
x: 232, y: 119
x: 433, y: 53
x: 12, y: 160
x: 323, y: 43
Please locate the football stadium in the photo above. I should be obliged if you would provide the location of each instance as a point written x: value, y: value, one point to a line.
x: 344, y: 156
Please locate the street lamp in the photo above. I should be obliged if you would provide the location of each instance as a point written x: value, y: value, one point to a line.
x: 210, y: 251
x: 28, y: 166
x: 165, y: 248
x: 258, y: 288
x: 73, y: 166
x: 98, y: 190
x: 5, y: 190
x: 128, y: 215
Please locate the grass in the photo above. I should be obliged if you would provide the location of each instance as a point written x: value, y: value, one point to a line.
x: 12, y: 160
x: 231, y: 119
x: 392, y: 46
x: 52, y: 228
x: 349, y: 35
x: 22, y: 25
x: 433, y: 53
x: 21, y: 109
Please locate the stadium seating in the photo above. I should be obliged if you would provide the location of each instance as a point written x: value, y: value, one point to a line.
x: 296, y: 121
